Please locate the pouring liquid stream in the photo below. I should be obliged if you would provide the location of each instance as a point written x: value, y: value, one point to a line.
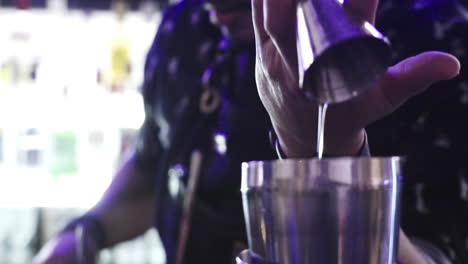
x: 321, y: 128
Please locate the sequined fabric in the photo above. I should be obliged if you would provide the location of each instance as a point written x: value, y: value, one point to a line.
x: 186, y: 46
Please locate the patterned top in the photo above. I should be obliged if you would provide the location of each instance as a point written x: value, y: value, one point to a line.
x: 430, y: 129
x: 186, y: 49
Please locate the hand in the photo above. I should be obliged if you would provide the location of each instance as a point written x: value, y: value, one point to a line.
x: 63, y: 250
x: 294, y: 117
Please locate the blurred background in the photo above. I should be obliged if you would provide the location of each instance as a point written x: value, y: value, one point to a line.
x: 70, y: 106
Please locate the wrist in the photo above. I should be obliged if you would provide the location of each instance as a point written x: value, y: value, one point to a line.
x: 336, y: 144
x: 91, y: 226
x: 345, y: 144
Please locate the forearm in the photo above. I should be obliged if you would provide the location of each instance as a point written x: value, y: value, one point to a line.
x: 125, y: 220
x: 126, y: 210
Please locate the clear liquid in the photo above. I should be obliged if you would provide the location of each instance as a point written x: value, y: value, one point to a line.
x: 321, y: 128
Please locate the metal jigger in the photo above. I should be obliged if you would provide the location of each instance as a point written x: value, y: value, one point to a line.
x: 340, y: 210
x: 338, y: 58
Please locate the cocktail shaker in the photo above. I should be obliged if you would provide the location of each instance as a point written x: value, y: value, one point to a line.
x: 337, y: 210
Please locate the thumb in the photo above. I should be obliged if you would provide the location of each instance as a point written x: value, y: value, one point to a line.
x: 408, y: 78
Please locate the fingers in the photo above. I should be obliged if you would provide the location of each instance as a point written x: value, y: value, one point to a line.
x: 415, y: 74
x: 275, y: 21
x: 279, y: 18
x: 257, y: 16
x: 280, y: 24
x: 408, y: 78
x: 273, y: 18
x: 275, y: 33
x: 363, y: 9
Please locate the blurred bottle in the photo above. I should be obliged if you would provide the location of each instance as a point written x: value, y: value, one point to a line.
x: 1, y: 146
x: 120, y: 60
x: 30, y: 147
x: 120, y: 57
x: 63, y: 157
x: 5, y: 73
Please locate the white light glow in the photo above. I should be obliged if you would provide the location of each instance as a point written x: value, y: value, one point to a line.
x: 66, y: 96
x: 304, y: 45
x: 372, y: 30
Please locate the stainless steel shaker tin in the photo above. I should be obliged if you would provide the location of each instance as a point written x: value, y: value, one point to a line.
x: 340, y: 210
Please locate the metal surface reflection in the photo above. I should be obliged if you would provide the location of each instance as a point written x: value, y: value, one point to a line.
x: 339, y: 56
x: 342, y: 210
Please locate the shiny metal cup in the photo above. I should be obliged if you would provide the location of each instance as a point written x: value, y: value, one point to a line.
x: 342, y: 210
x: 338, y: 57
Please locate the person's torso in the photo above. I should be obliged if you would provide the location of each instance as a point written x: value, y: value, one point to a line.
x: 234, y: 132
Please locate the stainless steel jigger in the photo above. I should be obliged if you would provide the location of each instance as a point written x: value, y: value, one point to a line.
x: 338, y: 57
x: 342, y: 210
